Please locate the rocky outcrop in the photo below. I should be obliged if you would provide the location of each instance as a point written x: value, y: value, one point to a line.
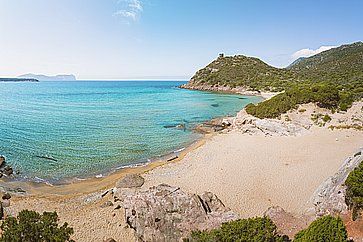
x: 272, y: 127
x: 286, y: 222
x: 329, y: 198
x: 166, y: 213
x: 212, y: 126
x: 130, y: 181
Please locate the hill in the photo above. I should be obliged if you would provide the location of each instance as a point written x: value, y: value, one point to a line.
x: 18, y: 80
x: 333, y: 79
x: 341, y: 65
x: 239, y: 70
x: 49, y: 78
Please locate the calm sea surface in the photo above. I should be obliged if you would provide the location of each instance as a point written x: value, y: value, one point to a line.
x: 89, y: 128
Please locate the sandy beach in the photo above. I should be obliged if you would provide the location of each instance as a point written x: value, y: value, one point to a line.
x: 252, y: 173
x: 249, y: 172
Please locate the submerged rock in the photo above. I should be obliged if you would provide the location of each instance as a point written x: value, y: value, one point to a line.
x: 166, y: 213
x: 130, y: 181
x: 8, y: 170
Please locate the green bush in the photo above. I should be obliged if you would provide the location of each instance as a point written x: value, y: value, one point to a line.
x: 354, y: 194
x: 251, y: 229
x: 326, y: 228
x: 31, y: 226
x: 326, y: 118
x: 323, y: 94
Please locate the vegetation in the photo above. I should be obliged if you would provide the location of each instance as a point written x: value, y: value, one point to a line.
x: 326, y: 228
x: 333, y: 79
x: 31, y: 226
x: 321, y: 93
x: 239, y: 70
x: 354, y: 194
x: 251, y: 229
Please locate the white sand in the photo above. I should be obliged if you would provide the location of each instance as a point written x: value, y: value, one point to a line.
x: 251, y: 173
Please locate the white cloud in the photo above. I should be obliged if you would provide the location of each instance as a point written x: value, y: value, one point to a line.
x: 130, y: 10
x: 310, y: 52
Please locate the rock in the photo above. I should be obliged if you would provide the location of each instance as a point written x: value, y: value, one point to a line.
x: 110, y: 240
x: 6, y: 196
x: 172, y: 157
x: 166, y: 213
x: 107, y: 204
x: 5, y: 203
x: 329, y: 197
x: 286, y: 223
x: 130, y: 181
x: 2, y: 160
x: 8, y: 170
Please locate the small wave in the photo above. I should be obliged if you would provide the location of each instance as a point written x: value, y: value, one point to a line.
x: 179, y: 150
x: 99, y: 176
x: 41, y: 180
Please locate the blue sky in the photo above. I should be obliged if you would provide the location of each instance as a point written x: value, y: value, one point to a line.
x: 118, y: 39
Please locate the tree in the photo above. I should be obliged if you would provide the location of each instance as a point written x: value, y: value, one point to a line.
x: 31, y: 226
x: 326, y: 228
x: 251, y: 229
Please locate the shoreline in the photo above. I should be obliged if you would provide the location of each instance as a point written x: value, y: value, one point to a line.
x: 228, y: 90
x: 96, y: 184
x: 40, y: 185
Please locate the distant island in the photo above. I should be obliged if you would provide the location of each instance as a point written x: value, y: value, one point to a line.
x: 18, y: 80
x: 49, y: 78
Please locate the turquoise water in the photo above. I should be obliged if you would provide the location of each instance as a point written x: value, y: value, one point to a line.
x: 89, y: 128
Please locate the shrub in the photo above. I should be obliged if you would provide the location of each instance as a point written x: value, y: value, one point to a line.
x: 31, y: 226
x: 354, y: 194
x: 323, y: 94
x: 251, y: 229
x: 326, y: 228
x: 326, y: 118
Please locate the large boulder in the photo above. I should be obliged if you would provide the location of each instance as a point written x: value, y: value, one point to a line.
x: 130, y: 181
x: 166, y: 213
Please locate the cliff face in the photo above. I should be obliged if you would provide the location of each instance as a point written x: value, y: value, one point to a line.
x: 340, y: 65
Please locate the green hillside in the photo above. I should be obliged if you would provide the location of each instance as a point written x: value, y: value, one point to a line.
x: 239, y: 70
x: 343, y: 65
x: 305, y: 80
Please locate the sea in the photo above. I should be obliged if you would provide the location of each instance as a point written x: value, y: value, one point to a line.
x: 53, y: 131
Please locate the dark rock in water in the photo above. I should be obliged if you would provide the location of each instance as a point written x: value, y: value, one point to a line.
x: 178, y: 126
x: 169, y: 126
x: 2, y: 160
x: 8, y: 170
x: 46, y: 157
x: 6, y: 196
x: 215, y: 105
x: 166, y: 213
x: 130, y: 181
x: 181, y: 126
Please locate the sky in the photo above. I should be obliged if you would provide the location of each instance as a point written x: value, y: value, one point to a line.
x: 165, y: 39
